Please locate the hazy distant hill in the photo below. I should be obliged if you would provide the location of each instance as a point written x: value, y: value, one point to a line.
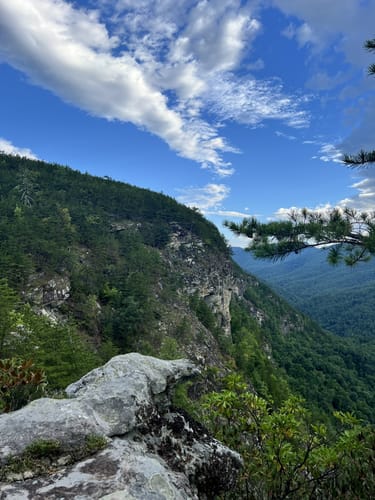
x: 339, y: 298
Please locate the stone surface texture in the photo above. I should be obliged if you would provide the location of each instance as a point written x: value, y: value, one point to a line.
x: 153, y: 451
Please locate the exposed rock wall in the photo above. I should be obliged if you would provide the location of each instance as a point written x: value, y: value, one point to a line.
x: 206, y: 273
x: 152, y: 452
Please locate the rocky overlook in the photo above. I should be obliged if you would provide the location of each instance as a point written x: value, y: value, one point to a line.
x: 115, y: 437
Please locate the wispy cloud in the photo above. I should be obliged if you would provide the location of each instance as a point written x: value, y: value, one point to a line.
x: 321, y: 23
x: 227, y: 213
x: 364, y: 199
x: 10, y: 149
x: 159, y: 65
x: 251, y: 102
x: 329, y: 153
x: 285, y: 136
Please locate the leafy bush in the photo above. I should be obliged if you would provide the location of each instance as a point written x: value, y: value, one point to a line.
x: 20, y: 381
x: 286, y: 456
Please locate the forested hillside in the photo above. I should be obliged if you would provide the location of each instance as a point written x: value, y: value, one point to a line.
x: 91, y: 267
x: 340, y: 298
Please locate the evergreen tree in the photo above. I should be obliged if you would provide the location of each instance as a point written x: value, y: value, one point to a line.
x: 351, y: 232
x: 363, y: 157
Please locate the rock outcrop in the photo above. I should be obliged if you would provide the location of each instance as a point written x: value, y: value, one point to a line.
x: 115, y: 437
x: 208, y: 274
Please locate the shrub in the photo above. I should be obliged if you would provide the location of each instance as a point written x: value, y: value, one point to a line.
x: 20, y: 382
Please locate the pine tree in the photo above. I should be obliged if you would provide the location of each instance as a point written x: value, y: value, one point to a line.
x: 350, y: 234
x: 363, y: 158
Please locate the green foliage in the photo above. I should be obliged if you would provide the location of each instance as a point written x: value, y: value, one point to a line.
x: 203, y: 312
x: 109, y: 241
x: 20, y: 382
x: 340, y: 299
x: 43, y: 448
x: 169, y: 349
x: 41, y: 456
x: 351, y: 232
x: 363, y: 158
x: 286, y: 456
x: 208, y: 319
x: 329, y: 372
x: 56, y: 348
x: 251, y: 357
x: 94, y: 443
x: 58, y: 351
x: 8, y: 315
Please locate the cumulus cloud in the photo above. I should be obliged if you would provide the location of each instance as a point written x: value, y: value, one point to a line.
x: 159, y: 65
x: 205, y: 198
x: 10, y: 149
x: 284, y: 213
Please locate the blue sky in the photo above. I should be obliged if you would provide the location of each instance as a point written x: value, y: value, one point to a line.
x: 239, y: 108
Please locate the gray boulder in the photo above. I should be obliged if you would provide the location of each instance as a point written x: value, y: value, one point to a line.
x: 152, y: 452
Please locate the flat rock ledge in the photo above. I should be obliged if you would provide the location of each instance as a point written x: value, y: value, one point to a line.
x: 115, y: 437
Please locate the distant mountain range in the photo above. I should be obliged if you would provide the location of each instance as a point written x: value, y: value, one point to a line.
x: 340, y: 298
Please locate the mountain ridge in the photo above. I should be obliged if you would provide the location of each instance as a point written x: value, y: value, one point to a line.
x: 340, y: 298
x: 110, y: 268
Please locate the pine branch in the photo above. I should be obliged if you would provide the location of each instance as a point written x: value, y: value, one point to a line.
x: 370, y: 44
x: 361, y: 159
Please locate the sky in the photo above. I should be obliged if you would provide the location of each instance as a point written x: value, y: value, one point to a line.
x: 239, y: 108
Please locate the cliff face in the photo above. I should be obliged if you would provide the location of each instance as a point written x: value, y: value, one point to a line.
x: 116, y: 435
x: 208, y: 274
x: 122, y: 263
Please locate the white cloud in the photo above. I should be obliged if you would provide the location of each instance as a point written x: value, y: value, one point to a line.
x: 364, y: 199
x: 205, y: 198
x: 304, y: 34
x: 238, y: 241
x: 227, y: 213
x: 10, y: 149
x: 346, y: 22
x: 284, y: 213
x: 148, y: 63
x: 251, y: 102
x: 330, y: 153
x: 285, y: 136
x: 341, y: 25
x: 68, y: 52
x: 327, y: 152
x: 321, y: 80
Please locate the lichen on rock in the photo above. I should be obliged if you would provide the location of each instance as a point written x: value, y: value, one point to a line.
x: 152, y: 450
